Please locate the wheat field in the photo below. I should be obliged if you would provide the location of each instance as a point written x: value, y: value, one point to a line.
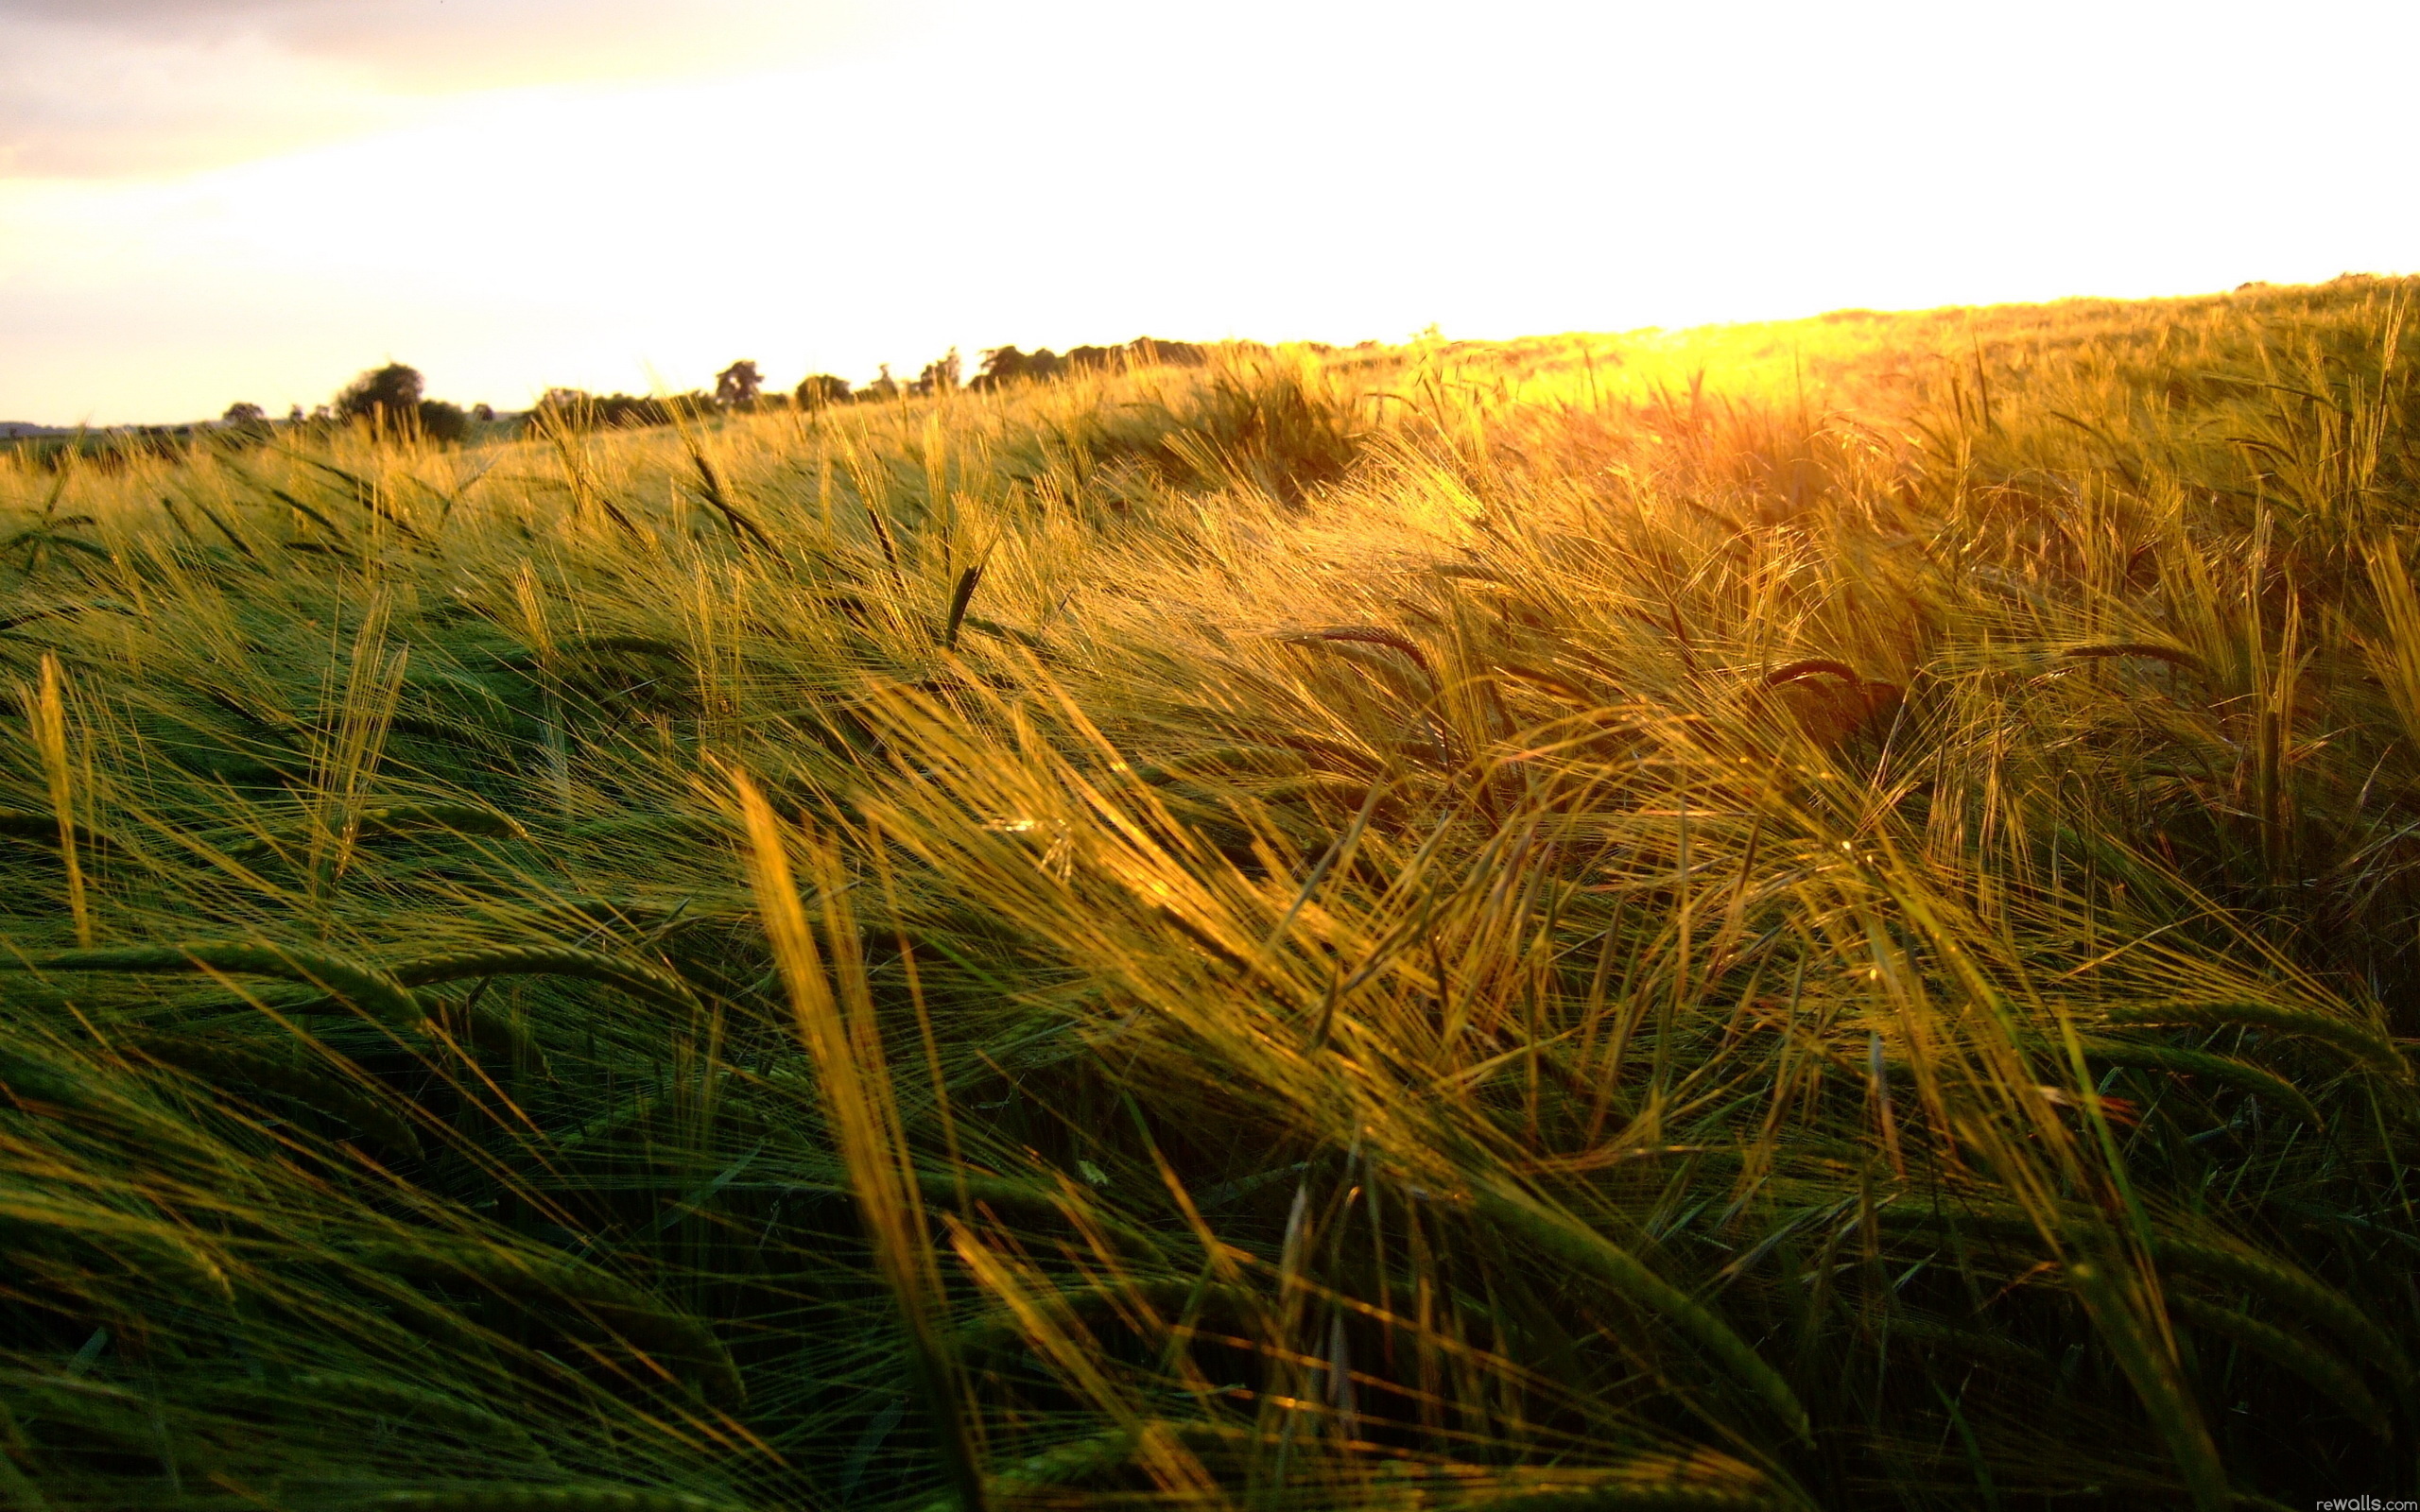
x: 1809, y: 916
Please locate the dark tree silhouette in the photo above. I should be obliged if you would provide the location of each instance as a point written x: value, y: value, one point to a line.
x: 392, y: 399
x: 883, y: 386
x: 383, y: 396
x: 818, y: 389
x: 737, y: 386
x: 1005, y: 365
x: 578, y: 409
x: 1142, y: 351
x: 244, y: 415
x: 441, y: 421
x: 939, y: 377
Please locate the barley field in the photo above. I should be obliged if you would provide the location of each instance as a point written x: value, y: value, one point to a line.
x: 1811, y: 916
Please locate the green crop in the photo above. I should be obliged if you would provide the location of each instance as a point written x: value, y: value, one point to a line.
x: 1676, y: 920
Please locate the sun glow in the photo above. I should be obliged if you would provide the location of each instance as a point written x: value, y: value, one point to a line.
x: 1052, y: 173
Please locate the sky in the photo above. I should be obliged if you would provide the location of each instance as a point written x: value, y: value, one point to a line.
x: 205, y: 201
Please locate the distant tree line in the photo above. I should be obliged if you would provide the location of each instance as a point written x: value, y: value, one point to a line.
x: 393, y: 400
x: 1005, y: 365
x: 578, y: 409
x: 740, y: 387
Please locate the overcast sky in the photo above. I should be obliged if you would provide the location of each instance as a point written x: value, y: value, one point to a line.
x: 211, y: 200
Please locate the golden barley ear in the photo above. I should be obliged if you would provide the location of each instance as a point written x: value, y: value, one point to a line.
x: 835, y: 1020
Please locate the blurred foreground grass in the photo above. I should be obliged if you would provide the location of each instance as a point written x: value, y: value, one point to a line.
x: 1784, y: 917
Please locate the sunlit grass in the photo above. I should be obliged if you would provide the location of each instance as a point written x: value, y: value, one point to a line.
x: 1793, y: 915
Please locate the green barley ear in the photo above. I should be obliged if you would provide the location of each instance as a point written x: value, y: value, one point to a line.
x: 539, y: 1281
x: 2224, y: 1069
x: 629, y: 1113
x: 1591, y: 1253
x: 398, y: 819
x: 637, y: 978
x: 2283, y: 1284
x: 1988, y: 1349
x: 2323, y: 1371
x: 2173, y: 656
x: 1059, y: 1469
x: 46, y: 829
x: 306, y: 1079
x: 492, y: 1032
x: 50, y: 611
x: 2122, y: 1317
x: 652, y: 646
x: 369, y: 1396
x: 452, y: 818
x: 373, y: 993
x: 2291, y: 1288
x: 2358, y: 1040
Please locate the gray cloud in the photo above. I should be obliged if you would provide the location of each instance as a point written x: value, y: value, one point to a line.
x: 341, y: 22
x: 104, y: 87
x: 158, y: 12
